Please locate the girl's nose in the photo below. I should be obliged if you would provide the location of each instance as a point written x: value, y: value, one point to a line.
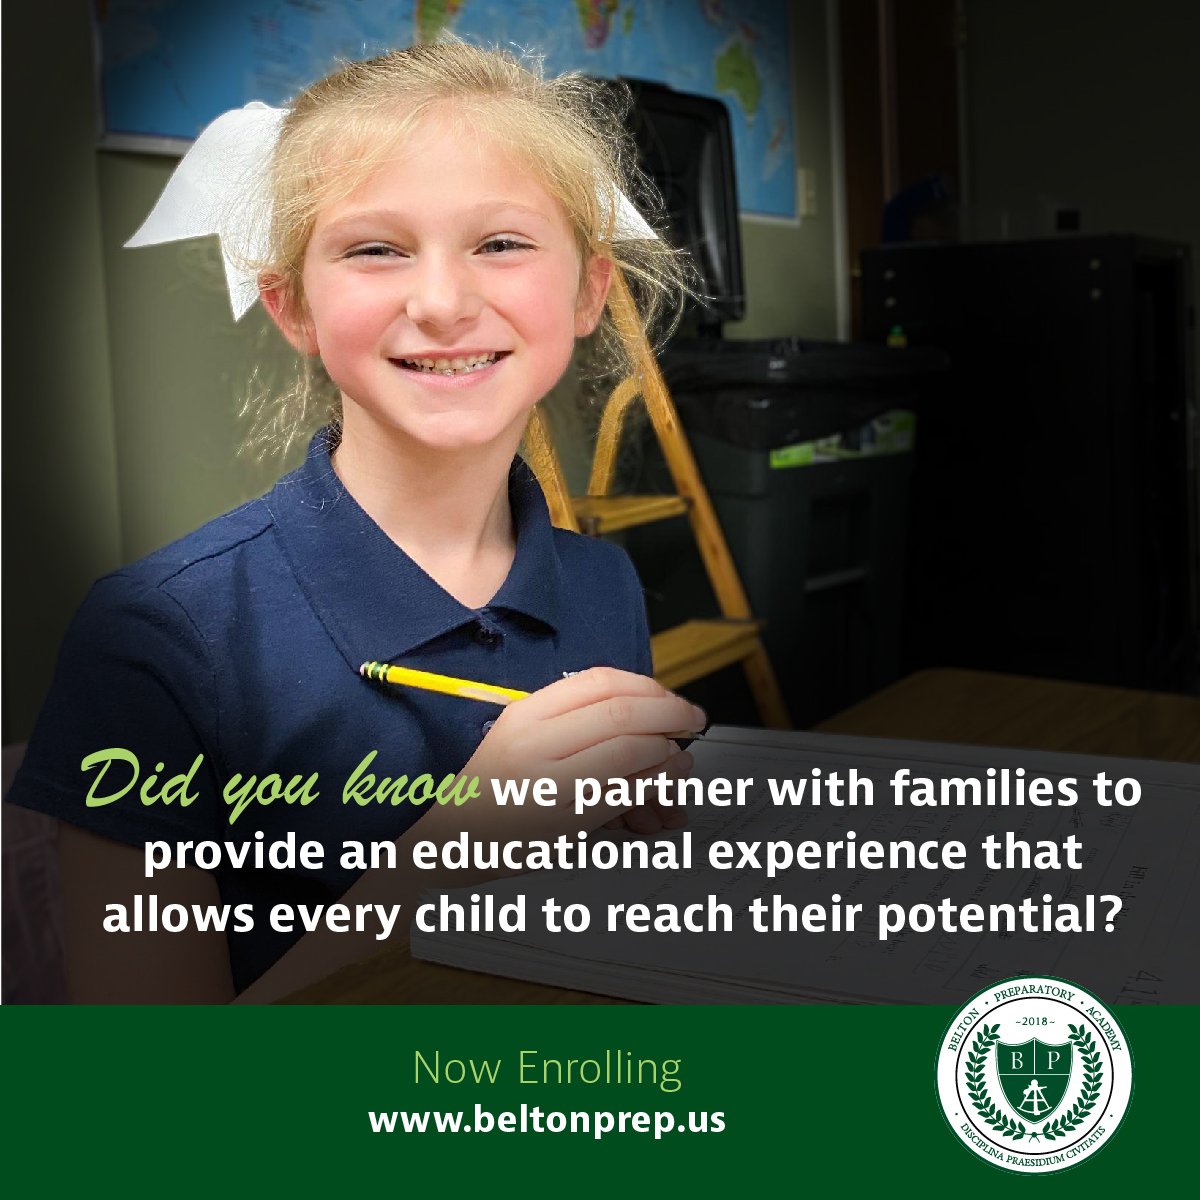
x: 441, y: 291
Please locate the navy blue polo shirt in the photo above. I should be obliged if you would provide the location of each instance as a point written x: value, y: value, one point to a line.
x: 242, y: 642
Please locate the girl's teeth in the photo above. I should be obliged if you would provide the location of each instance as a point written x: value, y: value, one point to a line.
x: 453, y: 366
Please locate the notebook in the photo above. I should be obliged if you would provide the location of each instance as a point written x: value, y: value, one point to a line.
x: 1146, y: 854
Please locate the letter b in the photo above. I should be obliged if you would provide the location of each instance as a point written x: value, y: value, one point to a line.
x: 480, y: 1117
x: 1017, y: 1063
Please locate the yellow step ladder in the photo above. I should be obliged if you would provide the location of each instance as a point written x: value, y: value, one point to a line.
x: 695, y: 648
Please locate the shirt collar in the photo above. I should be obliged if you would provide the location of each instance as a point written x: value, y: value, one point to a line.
x: 375, y: 602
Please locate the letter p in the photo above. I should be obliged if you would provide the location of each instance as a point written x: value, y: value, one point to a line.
x: 889, y: 913
x: 158, y: 856
x: 587, y: 794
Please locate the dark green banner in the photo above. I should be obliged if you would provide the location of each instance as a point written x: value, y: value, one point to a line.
x: 286, y: 1101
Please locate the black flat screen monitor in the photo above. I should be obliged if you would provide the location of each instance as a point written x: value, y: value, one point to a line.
x: 685, y: 145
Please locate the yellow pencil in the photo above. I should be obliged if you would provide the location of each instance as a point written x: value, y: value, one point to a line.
x: 446, y: 684
x: 468, y: 688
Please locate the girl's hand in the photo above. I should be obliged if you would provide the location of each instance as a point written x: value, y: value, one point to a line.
x: 600, y: 724
x: 652, y: 816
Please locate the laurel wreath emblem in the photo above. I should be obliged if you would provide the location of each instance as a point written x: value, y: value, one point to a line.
x: 977, y: 1089
x: 1093, y: 1078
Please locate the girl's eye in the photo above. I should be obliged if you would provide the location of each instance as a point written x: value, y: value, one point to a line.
x: 500, y: 244
x: 374, y: 249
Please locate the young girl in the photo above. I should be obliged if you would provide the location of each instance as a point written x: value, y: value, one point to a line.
x: 443, y: 224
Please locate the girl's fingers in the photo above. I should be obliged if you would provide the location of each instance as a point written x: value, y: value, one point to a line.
x: 644, y: 821
x: 652, y: 817
x: 614, y: 717
x: 678, y: 767
x: 615, y: 758
x: 588, y: 687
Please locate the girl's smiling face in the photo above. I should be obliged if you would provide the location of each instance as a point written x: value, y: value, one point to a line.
x: 451, y: 252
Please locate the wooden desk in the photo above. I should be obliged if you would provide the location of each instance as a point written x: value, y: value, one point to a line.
x: 980, y: 709
x: 968, y: 707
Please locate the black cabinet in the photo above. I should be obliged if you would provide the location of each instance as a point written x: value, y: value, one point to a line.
x: 1053, y: 502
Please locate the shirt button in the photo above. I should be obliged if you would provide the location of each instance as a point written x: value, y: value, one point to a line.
x: 486, y: 636
x: 487, y: 727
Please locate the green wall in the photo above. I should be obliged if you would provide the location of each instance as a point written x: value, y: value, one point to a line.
x: 59, y: 448
x: 125, y: 372
x: 181, y: 368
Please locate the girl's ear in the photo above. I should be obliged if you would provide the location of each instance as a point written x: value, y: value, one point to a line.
x: 273, y: 292
x: 593, y: 294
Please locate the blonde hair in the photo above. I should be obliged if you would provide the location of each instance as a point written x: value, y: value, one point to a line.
x: 571, y: 132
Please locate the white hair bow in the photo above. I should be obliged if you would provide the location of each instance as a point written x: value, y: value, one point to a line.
x: 220, y: 186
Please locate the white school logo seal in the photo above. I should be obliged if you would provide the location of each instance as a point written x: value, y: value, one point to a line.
x: 1034, y: 1074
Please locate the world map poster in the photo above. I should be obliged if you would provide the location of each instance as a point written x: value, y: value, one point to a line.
x: 168, y: 67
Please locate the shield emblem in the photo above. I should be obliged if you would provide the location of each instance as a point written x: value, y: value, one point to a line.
x: 1034, y: 1076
